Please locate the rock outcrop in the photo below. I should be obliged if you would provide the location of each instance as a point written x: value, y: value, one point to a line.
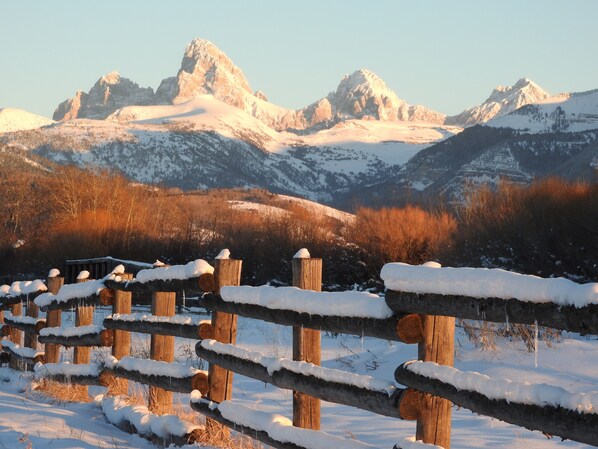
x: 108, y: 94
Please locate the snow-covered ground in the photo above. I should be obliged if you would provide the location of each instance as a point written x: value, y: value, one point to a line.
x: 30, y: 420
x: 571, y: 363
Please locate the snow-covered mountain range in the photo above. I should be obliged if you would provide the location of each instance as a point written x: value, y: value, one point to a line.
x: 206, y: 127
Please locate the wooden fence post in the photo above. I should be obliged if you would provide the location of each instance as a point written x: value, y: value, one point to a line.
x: 33, y: 311
x: 438, y: 345
x: 224, y: 325
x: 307, y: 274
x: 162, y: 349
x: 82, y: 354
x: 54, y: 319
x: 122, y: 339
x: 16, y: 336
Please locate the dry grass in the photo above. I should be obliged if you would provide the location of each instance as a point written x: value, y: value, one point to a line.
x: 485, y: 335
x: 62, y: 393
x: 219, y: 436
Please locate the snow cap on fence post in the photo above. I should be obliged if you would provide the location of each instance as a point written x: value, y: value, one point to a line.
x: 54, y: 272
x: 224, y: 254
x: 303, y: 253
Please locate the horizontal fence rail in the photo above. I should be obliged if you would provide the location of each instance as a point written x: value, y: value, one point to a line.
x: 583, y: 320
x: 404, y: 327
x: 151, y: 326
x: 551, y: 420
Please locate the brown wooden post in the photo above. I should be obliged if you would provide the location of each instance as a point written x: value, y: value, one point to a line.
x: 54, y: 319
x: 224, y: 326
x: 122, y: 339
x: 162, y: 349
x: 307, y: 274
x: 83, y: 317
x: 438, y: 345
x: 82, y: 354
x: 31, y: 337
x: 16, y: 335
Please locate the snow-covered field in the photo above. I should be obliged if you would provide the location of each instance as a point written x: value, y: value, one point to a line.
x: 571, y: 363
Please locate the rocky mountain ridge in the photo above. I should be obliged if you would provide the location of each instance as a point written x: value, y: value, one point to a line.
x: 502, y: 101
x: 108, y: 94
x: 206, y: 70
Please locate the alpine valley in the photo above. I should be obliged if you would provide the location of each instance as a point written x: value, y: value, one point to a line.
x: 361, y: 144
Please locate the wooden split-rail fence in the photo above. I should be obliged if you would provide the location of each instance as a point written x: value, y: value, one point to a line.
x: 424, y: 319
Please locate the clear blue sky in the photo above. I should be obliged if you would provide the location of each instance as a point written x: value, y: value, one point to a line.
x: 445, y: 55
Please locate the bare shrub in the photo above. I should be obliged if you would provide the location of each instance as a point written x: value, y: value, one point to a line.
x: 409, y: 234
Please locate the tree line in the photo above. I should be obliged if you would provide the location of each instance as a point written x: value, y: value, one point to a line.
x: 549, y: 228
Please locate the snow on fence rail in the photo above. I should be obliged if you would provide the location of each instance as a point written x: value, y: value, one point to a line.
x: 492, y: 295
x: 184, y: 327
x: 169, y: 376
x: 25, y: 323
x: 88, y: 335
x: 434, y: 292
x: 405, y: 327
x: 543, y: 407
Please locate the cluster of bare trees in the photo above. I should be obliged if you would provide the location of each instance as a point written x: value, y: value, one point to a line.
x: 67, y: 213
x: 549, y: 228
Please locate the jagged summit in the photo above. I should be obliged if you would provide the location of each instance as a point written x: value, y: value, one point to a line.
x: 108, y: 94
x: 110, y: 78
x: 523, y: 92
x: 205, y: 69
x: 364, y: 95
x: 502, y: 101
x: 363, y: 81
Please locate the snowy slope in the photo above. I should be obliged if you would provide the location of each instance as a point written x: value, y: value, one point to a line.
x: 317, y: 208
x: 571, y: 113
x: 202, y: 113
x: 279, y: 207
x: 12, y: 119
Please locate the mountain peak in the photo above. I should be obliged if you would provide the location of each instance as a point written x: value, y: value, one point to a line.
x: 110, y: 78
x: 205, y: 69
x: 364, y: 95
x: 524, y: 91
x: 363, y: 82
x: 199, y: 46
x: 502, y: 101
